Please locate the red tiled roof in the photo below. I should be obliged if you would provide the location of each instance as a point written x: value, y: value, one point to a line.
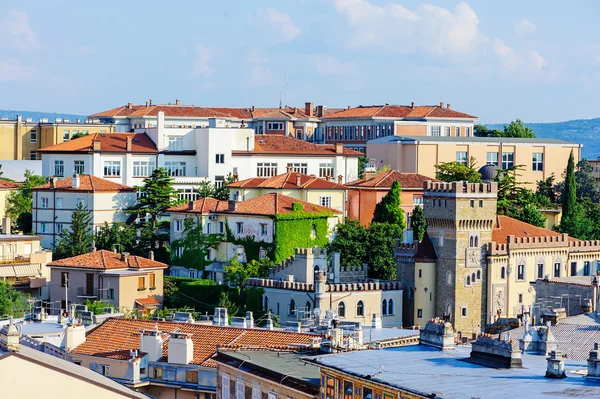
x: 116, y: 337
x: 288, y: 181
x: 399, y: 111
x: 184, y: 111
x: 8, y: 184
x: 280, y: 113
x: 507, y: 226
x: 148, y: 301
x: 87, y: 183
x: 267, y: 204
x: 107, y: 260
x: 386, y: 179
x: 277, y: 144
x: 117, y: 112
x: 109, y: 142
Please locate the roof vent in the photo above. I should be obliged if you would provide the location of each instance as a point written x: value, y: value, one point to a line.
x: 102, y: 135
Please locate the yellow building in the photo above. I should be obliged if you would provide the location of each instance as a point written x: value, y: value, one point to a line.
x: 540, y: 158
x: 6, y: 187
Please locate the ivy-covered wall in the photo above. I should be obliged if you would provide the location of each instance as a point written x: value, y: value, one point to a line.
x: 299, y: 233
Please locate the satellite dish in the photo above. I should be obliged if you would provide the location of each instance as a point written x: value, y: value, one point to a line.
x: 317, y: 312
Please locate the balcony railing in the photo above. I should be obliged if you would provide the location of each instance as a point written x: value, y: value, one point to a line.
x: 14, y: 259
x: 86, y: 292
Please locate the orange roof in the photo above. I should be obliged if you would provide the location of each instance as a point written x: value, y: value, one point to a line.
x: 109, y: 142
x: 413, y: 181
x: 280, y: 113
x: 8, y: 184
x: 507, y: 226
x: 267, y: 204
x: 148, y: 301
x: 288, y: 181
x: 277, y: 144
x: 173, y: 110
x: 107, y: 260
x: 399, y: 111
x: 116, y: 337
x: 87, y: 183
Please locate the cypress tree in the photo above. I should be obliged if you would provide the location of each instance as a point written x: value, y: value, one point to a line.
x: 78, y: 238
x: 569, y: 195
x: 417, y: 223
x: 388, y: 209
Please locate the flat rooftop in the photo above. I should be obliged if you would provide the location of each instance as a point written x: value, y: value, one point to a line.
x: 430, y: 371
x: 469, y: 140
x: 371, y: 335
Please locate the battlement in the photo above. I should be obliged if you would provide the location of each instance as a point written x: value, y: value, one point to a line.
x: 432, y: 188
x: 561, y: 241
x: 299, y: 254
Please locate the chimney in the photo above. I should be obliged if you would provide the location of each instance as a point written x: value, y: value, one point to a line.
x: 587, y: 306
x: 75, y: 181
x: 252, y: 109
x: 97, y: 145
x: 438, y: 334
x: 309, y: 109
x: 339, y: 148
x: 151, y: 255
x: 376, y: 321
x: 412, y: 104
x: 129, y: 105
x: 594, y: 362
x: 74, y: 336
x: 556, y: 365
x: 6, y: 225
x: 448, y: 106
x: 236, y: 177
x: 9, y: 337
x: 298, y: 177
x: 340, y: 177
x: 289, y: 169
x: 269, y: 324
x: 441, y: 104
x: 177, y: 102
x: 231, y: 205
x: 128, y: 141
x: 146, y: 104
x: 181, y: 348
x: 348, y: 107
x: 151, y: 342
x: 320, y: 111
x: 150, y: 102
x: 125, y: 257
x: 249, y: 320
x: 220, y: 317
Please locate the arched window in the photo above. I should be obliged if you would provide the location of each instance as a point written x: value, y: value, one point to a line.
x: 471, y: 241
x: 473, y: 277
x: 503, y: 272
x: 266, y: 303
x: 360, y: 308
x: 476, y: 241
x: 384, y: 307
x: 342, y: 309
x: 391, y: 307
x: 307, y: 306
x: 478, y: 274
x: 317, y: 268
x: 449, y: 278
x: 468, y: 280
x: 292, y: 307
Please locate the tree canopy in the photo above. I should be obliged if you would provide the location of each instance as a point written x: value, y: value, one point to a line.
x: 350, y: 243
x: 388, y: 209
x: 19, y: 202
x: 457, y: 171
x: 569, y: 195
x: 194, y: 245
x: 118, y: 235
x: 12, y: 302
x: 418, y: 224
x: 484, y: 131
x: 208, y: 189
x: 517, y: 128
x: 78, y: 238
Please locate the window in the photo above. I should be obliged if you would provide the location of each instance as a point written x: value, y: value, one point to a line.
x: 219, y: 158
x: 492, y: 158
x: 457, y: 131
x: 266, y: 169
x: 478, y: 274
x: 463, y: 312
x: 384, y: 307
x: 111, y: 293
x: 521, y: 272
x: 271, y: 395
x: 59, y: 227
x: 175, y: 143
x: 540, y: 270
x: 178, y: 225
x: 468, y: 281
x: 468, y: 131
x: 472, y: 203
x: 417, y: 200
x: 449, y: 278
x: 221, y: 227
x: 367, y: 393
x: 292, y: 308
x: 325, y: 201
x: 141, y: 283
x: 481, y: 203
x: 461, y: 157
x: 360, y: 308
x: 299, y: 167
x: 573, y: 268
x: 391, y: 309
x: 152, y: 278
x: 325, y: 170
x: 342, y: 309
x: 348, y: 390
x: 586, y: 268
x: 419, y: 313
x: 263, y: 229
x: 105, y: 370
x: 330, y: 388
x: 557, y: 270
x: 33, y: 136
x: 79, y: 167
x: 112, y: 168
x: 299, y: 134
x: 142, y: 168
x: 66, y: 135
x: 176, y: 168
x: 208, y: 228
x: 45, y: 202
x: 239, y: 389
x: 274, y: 125
x: 225, y: 386
x: 59, y: 168
x: 503, y: 272
x: 191, y: 376
x: 44, y: 227
x: 520, y: 298
x: 420, y: 273
x: 240, y: 227
x: 508, y: 160
x: 33, y: 155
x: 447, y: 130
x: 64, y: 279
x: 436, y: 131
x: 537, y: 162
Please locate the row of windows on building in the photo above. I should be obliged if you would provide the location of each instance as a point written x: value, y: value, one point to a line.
x: 436, y: 131
x: 240, y: 389
x: 358, y: 132
x: 66, y: 134
x: 113, y: 168
x: 508, y: 159
x: 58, y: 203
x: 269, y: 169
x: 348, y: 390
x: 387, y: 308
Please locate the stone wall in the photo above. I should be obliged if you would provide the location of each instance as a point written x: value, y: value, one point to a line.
x: 493, y: 352
x: 438, y: 334
x: 573, y: 296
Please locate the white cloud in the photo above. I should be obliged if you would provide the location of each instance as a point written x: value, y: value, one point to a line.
x: 524, y: 27
x: 507, y: 56
x: 282, y: 24
x: 11, y: 71
x: 537, y: 61
x: 260, y: 74
x: 15, y: 32
x: 328, y: 65
x: 202, y: 61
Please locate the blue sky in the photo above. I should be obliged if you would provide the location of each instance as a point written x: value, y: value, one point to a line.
x: 499, y: 60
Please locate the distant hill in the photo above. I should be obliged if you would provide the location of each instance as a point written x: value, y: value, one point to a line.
x: 36, y: 116
x: 582, y: 131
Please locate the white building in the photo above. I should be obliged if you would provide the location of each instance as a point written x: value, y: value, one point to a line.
x: 55, y: 201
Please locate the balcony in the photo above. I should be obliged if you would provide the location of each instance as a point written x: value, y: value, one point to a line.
x: 8, y: 259
x: 87, y: 292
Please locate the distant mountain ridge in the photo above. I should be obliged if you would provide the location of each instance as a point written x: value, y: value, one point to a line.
x: 36, y: 116
x: 582, y: 131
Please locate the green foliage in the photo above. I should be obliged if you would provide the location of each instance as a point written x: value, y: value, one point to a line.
x: 97, y: 307
x: 305, y: 231
x: 208, y: 189
x: 418, y: 224
x: 455, y: 171
x: 78, y: 135
x: 350, y: 243
x: 363, y: 161
x: 517, y: 129
x: 118, y: 235
x: 12, y: 302
x: 569, y: 196
x: 78, y: 238
x: 225, y: 302
x: 238, y: 273
x: 586, y: 186
x: 546, y: 191
x: 388, y: 210
x: 251, y: 246
x: 19, y: 202
x: 484, y: 131
x: 530, y: 214
x: 195, y: 245
x: 380, y: 250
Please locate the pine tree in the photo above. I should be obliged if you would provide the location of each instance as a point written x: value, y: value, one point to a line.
x: 78, y: 239
x: 569, y: 195
x: 418, y: 224
x: 388, y: 210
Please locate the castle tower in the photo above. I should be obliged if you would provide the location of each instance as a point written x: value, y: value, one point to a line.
x: 460, y: 217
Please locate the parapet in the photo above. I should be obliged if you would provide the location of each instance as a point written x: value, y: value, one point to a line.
x: 513, y: 242
x: 459, y: 187
x: 493, y: 352
x: 438, y: 334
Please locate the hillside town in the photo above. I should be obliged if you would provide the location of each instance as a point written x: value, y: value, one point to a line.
x: 161, y: 249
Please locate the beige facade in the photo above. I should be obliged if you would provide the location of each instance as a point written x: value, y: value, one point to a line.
x: 540, y: 158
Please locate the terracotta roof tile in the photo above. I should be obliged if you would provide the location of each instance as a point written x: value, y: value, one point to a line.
x: 87, y: 183
x: 123, y: 111
x: 148, y: 301
x: 277, y: 144
x: 288, y: 181
x: 8, y: 184
x: 507, y: 226
x: 116, y: 337
x: 398, y: 111
x: 109, y: 142
x: 386, y: 179
x: 107, y: 260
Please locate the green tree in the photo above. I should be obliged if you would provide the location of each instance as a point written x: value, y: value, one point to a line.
x: 118, y: 235
x: 222, y: 192
x: 194, y: 245
x: 456, y: 171
x: 586, y: 186
x: 227, y: 303
x: 19, y: 202
x: 206, y: 189
x: 238, y: 273
x: 350, y: 243
x: 484, y: 131
x: 418, y: 224
x: 12, y: 302
x: 78, y: 238
x: 530, y: 214
x: 546, y: 191
x: 78, y: 135
x: 380, y: 246
x: 569, y: 195
x: 388, y: 210
x: 97, y: 307
x: 363, y: 161
x: 518, y: 129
